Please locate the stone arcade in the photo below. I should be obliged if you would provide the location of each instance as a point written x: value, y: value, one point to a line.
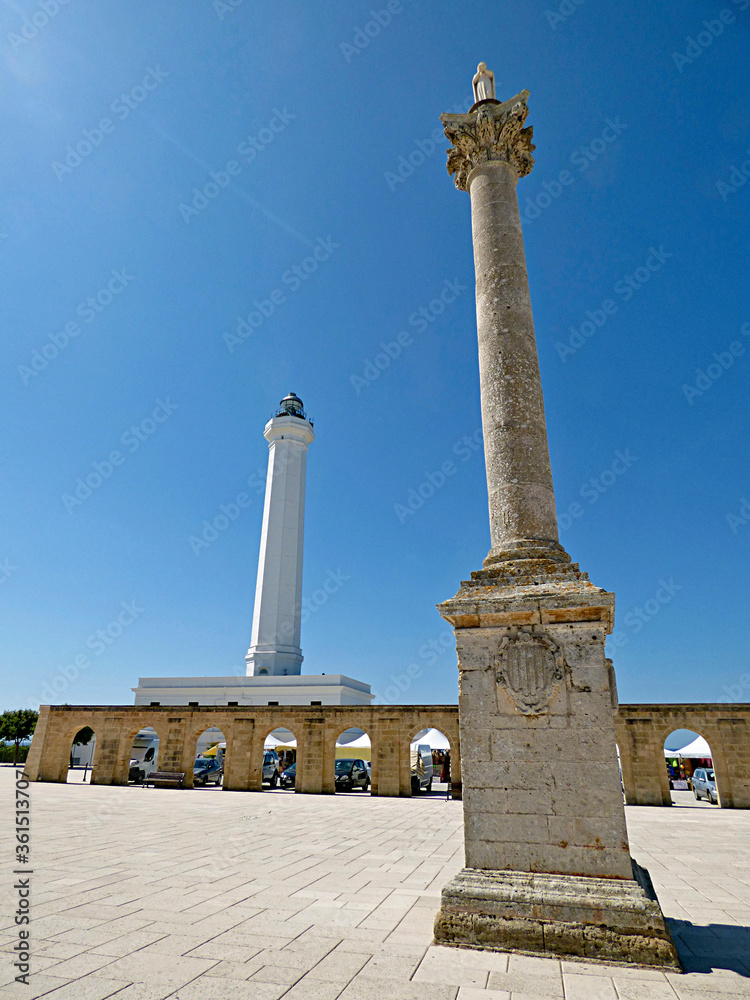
x: 548, y: 866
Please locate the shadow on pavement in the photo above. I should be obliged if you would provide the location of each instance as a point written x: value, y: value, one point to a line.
x: 717, y: 946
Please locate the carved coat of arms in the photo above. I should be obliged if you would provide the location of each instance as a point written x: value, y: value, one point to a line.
x: 529, y: 667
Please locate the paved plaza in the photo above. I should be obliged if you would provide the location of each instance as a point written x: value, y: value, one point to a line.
x: 145, y: 894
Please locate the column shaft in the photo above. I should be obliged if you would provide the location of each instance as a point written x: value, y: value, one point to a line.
x: 519, y: 479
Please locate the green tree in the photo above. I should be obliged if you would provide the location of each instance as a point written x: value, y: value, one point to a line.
x: 16, y: 725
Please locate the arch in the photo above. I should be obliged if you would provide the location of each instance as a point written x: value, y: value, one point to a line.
x: 56, y: 763
x: 124, y: 741
x: 266, y: 775
x: 425, y: 774
x: 355, y: 772
x: 210, y: 745
x: 82, y: 753
x: 197, y: 724
x: 445, y: 723
x: 143, y: 754
x: 693, y: 754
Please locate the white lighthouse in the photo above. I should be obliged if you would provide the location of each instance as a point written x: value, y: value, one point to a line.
x: 275, y: 643
x: 273, y: 661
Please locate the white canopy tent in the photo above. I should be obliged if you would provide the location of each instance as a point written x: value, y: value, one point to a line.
x: 360, y: 743
x: 433, y: 738
x: 360, y: 747
x: 698, y: 748
x: 271, y: 742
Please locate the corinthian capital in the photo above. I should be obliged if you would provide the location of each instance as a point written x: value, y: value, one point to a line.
x: 493, y: 131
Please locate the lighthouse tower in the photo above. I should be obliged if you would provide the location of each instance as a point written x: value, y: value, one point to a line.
x: 275, y: 643
x: 273, y: 663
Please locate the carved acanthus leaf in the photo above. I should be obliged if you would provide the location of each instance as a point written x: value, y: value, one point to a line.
x: 492, y: 132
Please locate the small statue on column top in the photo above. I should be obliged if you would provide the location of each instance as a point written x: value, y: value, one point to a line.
x: 484, y: 83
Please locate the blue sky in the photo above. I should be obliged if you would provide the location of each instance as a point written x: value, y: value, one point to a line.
x: 168, y: 168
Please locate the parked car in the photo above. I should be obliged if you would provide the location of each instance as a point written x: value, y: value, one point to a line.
x: 288, y: 777
x: 270, y: 767
x: 351, y: 773
x: 704, y: 783
x: 421, y: 768
x: 207, y: 771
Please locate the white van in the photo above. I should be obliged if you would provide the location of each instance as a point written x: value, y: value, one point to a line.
x: 143, y: 759
x: 421, y: 767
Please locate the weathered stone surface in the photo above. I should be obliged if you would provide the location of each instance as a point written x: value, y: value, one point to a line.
x: 391, y: 729
x: 495, y: 131
x: 541, y: 725
x: 613, y: 920
x: 641, y: 730
x: 536, y: 691
x: 640, y: 734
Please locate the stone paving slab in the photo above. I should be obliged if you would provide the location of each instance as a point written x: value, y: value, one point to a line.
x: 162, y: 894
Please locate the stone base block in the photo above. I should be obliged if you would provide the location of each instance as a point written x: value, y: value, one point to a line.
x: 609, y: 920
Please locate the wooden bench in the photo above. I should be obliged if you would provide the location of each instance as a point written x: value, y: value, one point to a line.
x: 165, y: 779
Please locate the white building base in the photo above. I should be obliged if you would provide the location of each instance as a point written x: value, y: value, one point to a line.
x: 304, y: 689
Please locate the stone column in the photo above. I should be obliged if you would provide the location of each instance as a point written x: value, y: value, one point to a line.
x: 491, y: 151
x: 548, y: 866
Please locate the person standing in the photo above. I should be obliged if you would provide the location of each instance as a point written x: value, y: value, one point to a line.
x: 446, y: 774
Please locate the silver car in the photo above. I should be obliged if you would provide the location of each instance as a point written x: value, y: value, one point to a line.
x: 704, y: 783
x: 271, y: 767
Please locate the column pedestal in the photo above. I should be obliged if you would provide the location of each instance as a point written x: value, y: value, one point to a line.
x: 557, y: 915
x: 548, y: 866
